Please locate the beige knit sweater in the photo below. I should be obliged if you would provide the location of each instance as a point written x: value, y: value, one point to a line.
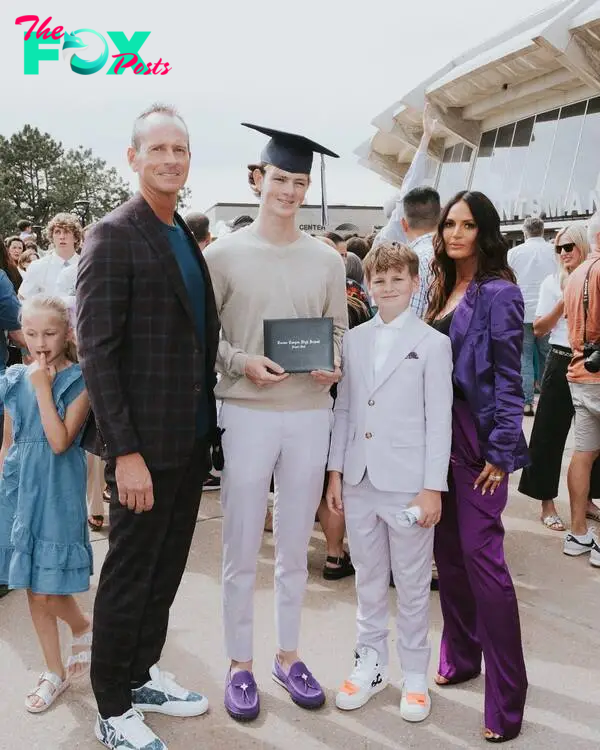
x: 255, y: 280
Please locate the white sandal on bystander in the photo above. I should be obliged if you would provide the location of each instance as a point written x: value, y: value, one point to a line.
x: 48, y: 688
x: 78, y: 664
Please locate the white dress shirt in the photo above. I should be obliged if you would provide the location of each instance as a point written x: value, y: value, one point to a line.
x: 532, y: 262
x: 550, y: 295
x: 386, y: 337
x: 42, y: 275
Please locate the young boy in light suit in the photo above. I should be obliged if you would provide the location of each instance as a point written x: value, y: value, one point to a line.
x: 388, y: 464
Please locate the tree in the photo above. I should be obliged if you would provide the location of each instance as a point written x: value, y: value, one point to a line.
x: 184, y: 199
x: 83, y: 176
x: 39, y: 179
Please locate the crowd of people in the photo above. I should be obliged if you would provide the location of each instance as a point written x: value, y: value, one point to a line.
x: 137, y: 376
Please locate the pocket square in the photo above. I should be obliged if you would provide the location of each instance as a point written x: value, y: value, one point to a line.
x: 412, y: 355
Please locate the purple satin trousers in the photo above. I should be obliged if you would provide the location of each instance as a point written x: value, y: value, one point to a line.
x: 478, y: 599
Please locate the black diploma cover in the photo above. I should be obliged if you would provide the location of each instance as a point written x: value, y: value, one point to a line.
x: 300, y: 344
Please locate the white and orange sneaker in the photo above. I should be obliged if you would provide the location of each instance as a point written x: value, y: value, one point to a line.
x: 415, y: 706
x: 368, y: 678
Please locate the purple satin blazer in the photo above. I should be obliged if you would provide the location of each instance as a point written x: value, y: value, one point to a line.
x: 487, y: 340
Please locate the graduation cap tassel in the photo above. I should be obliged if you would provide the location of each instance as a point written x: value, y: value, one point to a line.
x: 324, y: 216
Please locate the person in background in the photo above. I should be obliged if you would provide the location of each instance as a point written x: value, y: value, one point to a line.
x: 355, y: 289
x: 416, y: 175
x: 212, y: 482
x: 420, y: 220
x: 26, y: 232
x: 10, y: 332
x: 8, y: 261
x: 26, y: 260
x: 370, y: 238
x: 582, y: 311
x: 14, y: 247
x: 475, y: 301
x: 9, y: 267
x: 10, y: 327
x: 241, y: 221
x: 37, y: 249
x: 554, y: 414
x: 66, y: 289
x: 65, y: 233
x: 199, y: 225
x: 354, y: 269
x: 358, y: 246
x: 531, y: 263
x: 339, y: 243
x: 338, y: 563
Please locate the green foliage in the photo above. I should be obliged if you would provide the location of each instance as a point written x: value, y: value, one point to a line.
x: 184, y: 200
x: 39, y: 178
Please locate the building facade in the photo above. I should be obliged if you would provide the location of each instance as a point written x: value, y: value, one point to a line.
x: 362, y: 219
x: 545, y: 165
x: 518, y: 119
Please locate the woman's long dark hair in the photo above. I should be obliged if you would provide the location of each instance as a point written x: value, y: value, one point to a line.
x: 8, y: 265
x: 492, y: 249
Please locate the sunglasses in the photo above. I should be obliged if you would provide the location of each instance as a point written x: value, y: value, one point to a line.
x: 568, y: 247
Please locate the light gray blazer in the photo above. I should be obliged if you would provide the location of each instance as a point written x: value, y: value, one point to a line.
x: 398, y: 425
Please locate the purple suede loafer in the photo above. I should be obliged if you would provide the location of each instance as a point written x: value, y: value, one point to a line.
x: 241, y: 696
x: 304, y: 690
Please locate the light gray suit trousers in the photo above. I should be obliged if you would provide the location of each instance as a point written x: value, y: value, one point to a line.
x: 293, y: 446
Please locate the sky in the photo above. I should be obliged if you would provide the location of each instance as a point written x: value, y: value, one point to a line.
x: 323, y: 68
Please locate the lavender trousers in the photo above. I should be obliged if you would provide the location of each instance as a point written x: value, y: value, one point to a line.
x: 477, y: 595
x: 258, y: 443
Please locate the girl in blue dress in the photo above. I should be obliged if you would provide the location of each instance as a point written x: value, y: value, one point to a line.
x: 44, y: 544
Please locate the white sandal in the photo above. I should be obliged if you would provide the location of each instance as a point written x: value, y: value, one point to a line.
x: 554, y: 522
x: 81, y: 657
x: 49, y: 687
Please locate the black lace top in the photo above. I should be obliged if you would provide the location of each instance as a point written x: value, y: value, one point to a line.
x: 443, y: 326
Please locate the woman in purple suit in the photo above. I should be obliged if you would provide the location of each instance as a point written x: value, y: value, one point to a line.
x: 475, y: 301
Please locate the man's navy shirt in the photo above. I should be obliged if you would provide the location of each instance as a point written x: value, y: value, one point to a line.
x: 186, y: 256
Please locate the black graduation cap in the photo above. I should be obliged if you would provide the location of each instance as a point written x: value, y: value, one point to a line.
x: 294, y: 153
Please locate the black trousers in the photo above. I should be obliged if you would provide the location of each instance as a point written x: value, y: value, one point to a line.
x: 553, y: 419
x: 147, y: 554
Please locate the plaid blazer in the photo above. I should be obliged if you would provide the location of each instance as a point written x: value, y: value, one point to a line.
x: 145, y: 369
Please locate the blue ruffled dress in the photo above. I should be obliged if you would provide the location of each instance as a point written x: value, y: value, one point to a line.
x: 44, y: 540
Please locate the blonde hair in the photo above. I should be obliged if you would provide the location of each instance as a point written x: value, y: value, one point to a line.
x: 27, y: 256
x: 68, y: 222
x: 52, y: 306
x: 390, y: 255
x: 578, y: 235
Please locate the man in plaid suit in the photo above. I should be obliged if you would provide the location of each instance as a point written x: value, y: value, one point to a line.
x: 148, y: 335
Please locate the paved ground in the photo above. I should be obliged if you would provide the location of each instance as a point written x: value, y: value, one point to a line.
x: 560, y: 611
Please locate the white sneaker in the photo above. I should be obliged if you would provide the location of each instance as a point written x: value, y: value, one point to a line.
x: 415, y: 706
x: 595, y: 555
x: 162, y: 695
x: 127, y: 732
x: 368, y: 678
x: 574, y: 547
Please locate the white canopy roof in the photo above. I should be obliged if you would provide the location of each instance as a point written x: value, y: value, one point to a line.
x: 545, y: 61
